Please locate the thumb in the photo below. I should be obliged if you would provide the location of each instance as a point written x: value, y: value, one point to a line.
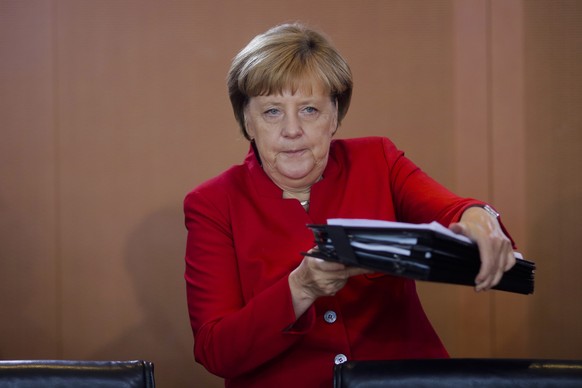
x: 457, y: 228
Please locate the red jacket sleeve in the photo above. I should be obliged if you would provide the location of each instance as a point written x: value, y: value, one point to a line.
x: 231, y: 336
x: 417, y: 197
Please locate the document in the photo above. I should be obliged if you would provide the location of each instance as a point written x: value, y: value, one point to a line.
x: 429, y: 252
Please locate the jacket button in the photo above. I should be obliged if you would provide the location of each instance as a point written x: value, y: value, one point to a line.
x: 330, y: 316
x: 340, y: 359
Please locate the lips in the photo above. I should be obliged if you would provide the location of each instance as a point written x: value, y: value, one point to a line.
x: 294, y: 152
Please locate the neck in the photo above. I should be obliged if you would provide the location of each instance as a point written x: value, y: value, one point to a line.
x: 298, y: 190
x: 301, y: 195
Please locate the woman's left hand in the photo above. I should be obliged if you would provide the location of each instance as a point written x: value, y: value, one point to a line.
x: 494, y: 246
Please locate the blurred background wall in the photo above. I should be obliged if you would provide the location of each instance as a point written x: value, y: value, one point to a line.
x: 112, y: 110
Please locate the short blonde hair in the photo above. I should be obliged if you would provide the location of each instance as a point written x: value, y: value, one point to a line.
x: 283, y: 57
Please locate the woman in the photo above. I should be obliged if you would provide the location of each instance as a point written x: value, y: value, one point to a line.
x: 262, y: 314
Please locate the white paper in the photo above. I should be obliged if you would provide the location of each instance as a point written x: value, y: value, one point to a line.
x: 361, y: 222
x: 381, y: 248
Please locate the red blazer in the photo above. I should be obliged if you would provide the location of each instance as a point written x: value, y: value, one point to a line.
x: 244, y: 239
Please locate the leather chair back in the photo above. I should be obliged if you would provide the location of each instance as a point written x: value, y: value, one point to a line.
x: 493, y: 373
x: 64, y: 374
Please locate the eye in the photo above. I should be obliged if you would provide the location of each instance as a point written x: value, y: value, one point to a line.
x: 310, y: 110
x: 272, y: 112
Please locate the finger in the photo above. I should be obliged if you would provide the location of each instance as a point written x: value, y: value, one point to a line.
x: 492, y: 271
x: 354, y: 271
x: 492, y: 266
x: 458, y: 228
x: 482, y: 286
x: 486, y: 271
x: 504, y: 266
x: 324, y: 265
x: 510, y: 262
x: 505, y: 261
x: 497, y: 278
x: 481, y: 282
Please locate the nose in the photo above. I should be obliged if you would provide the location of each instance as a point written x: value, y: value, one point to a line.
x: 291, y: 126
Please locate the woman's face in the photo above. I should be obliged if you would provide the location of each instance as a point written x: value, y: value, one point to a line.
x: 292, y: 132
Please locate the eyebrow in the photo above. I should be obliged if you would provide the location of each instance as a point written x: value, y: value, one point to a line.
x: 277, y: 100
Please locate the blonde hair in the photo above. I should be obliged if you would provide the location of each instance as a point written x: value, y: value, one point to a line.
x: 284, y: 57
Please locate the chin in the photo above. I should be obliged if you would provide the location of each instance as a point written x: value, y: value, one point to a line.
x: 294, y: 176
x: 295, y: 173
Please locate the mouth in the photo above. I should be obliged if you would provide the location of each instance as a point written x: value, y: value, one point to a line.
x: 294, y: 152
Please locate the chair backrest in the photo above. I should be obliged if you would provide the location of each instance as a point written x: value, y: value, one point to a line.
x: 459, y: 373
x: 74, y: 373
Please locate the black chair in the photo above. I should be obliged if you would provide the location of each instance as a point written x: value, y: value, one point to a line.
x: 66, y: 373
x: 459, y: 373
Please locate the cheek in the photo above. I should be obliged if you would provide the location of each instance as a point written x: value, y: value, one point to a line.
x: 249, y: 127
x: 330, y: 126
x: 330, y: 131
x: 322, y: 145
x: 266, y: 145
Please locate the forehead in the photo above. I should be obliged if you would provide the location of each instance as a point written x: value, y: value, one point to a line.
x: 306, y: 82
x: 304, y: 87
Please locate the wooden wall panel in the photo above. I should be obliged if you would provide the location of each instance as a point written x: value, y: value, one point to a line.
x: 470, y: 331
x: 553, y: 118
x: 112, y: 110
x: 132, y: 75
x: 29, y: 306
x: 510, y: 336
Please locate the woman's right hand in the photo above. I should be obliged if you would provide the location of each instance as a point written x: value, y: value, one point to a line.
x: 316, y: 277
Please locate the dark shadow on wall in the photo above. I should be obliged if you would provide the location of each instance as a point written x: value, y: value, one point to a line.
x: 155, y: 260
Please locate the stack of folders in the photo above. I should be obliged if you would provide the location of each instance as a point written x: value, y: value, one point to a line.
x: 427, y: 252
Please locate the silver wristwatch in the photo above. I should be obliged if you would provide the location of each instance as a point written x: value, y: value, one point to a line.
x: 490, y: 210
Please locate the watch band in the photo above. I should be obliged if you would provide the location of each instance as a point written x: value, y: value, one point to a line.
x: 490, y: 210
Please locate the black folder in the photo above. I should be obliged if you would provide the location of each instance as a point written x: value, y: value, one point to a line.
x: 421, y: 252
